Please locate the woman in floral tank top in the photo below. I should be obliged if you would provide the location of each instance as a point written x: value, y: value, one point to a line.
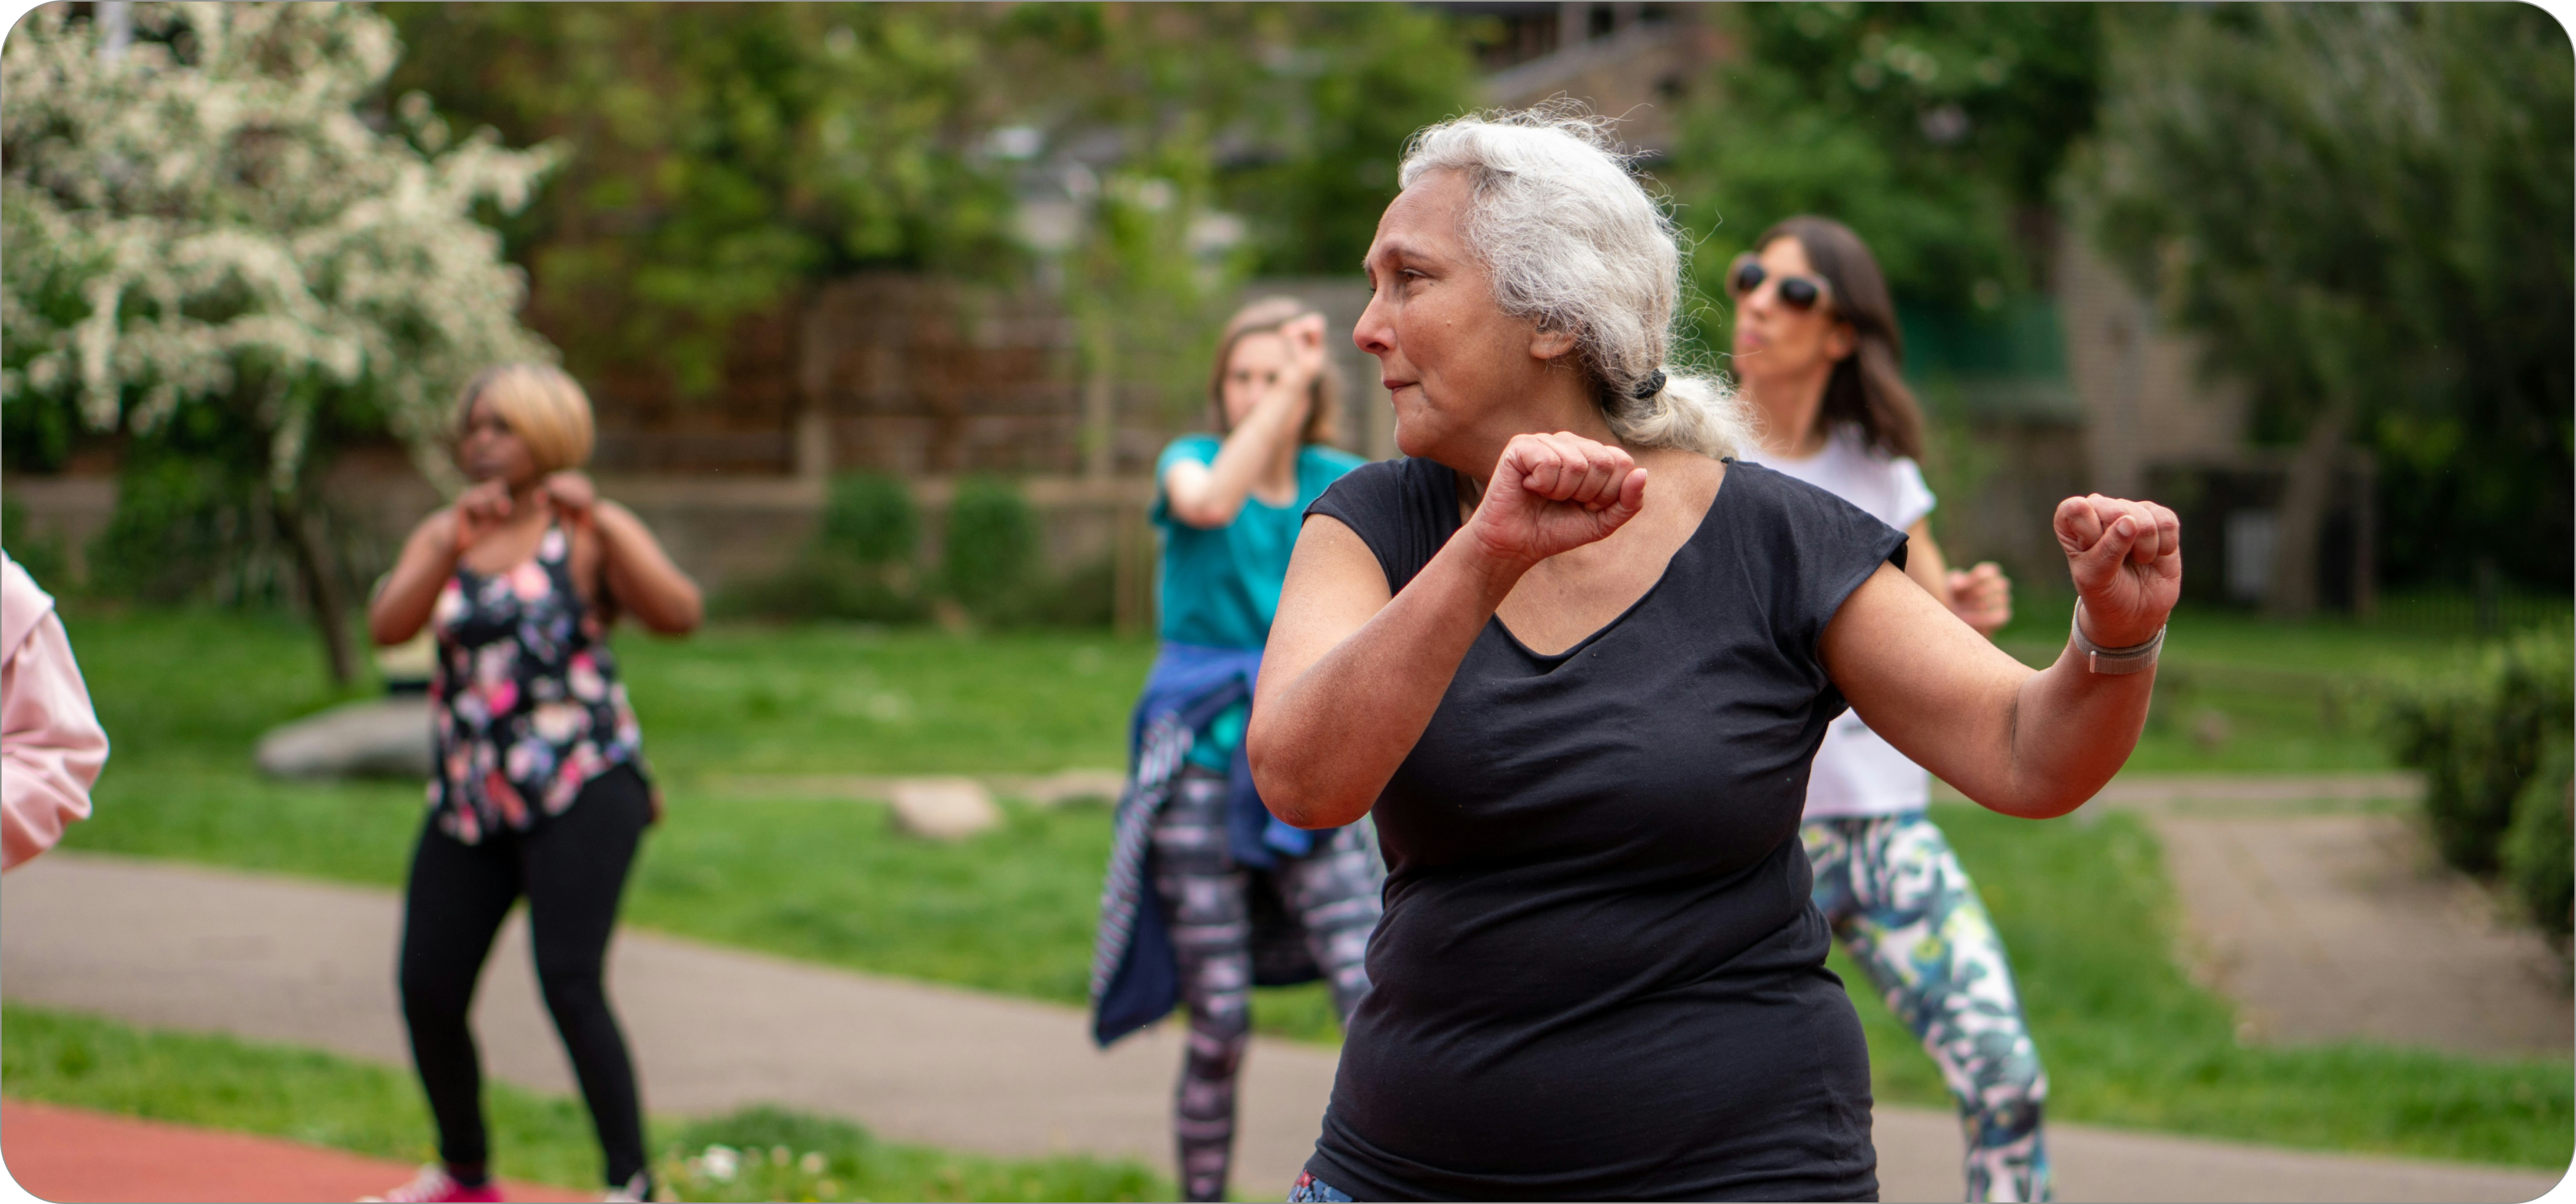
x: 539, y: 786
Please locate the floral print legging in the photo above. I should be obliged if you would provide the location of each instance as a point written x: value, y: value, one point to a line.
x: 1333, y: 894
x: 1900, y: 903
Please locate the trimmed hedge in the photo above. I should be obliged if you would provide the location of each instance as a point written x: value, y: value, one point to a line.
x: 2493, y: 745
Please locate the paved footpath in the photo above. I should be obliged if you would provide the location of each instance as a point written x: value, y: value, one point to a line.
x: 275, y: 959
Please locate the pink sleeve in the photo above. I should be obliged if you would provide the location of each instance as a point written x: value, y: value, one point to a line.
x: 50, y: 740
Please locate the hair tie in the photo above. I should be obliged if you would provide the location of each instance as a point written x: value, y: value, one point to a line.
x: 1648, y: 387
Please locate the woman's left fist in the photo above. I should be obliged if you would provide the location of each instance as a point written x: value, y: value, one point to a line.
x: 574, y: 497
x: 2126, y: 559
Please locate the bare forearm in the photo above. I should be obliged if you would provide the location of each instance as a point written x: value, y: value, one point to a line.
x: 2070, y: 730
x: 1212, y: 499
x: 1324, y: 744
x: 410, y: 592
x: 642, y: 577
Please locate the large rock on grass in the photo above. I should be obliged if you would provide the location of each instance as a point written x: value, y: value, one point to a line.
x: 372, y: 738
x: 944, y: 808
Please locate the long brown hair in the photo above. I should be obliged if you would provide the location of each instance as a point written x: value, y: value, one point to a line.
x: 1266, y: 316
x: 1867, y: 388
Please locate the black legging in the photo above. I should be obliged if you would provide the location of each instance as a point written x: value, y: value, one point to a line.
x: 572, y: 867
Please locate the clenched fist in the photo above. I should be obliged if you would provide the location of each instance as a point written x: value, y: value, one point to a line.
x: 1551, y: 493
x: 2126, y: 558
x: 1982, y: 597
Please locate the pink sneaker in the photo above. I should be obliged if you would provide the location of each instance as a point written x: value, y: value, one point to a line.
x: 433, y: 1185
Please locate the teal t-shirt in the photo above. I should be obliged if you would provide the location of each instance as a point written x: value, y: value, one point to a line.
x: 1221, y: 587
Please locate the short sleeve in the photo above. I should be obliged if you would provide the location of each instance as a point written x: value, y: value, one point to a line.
x: 1815, y: 548
x: 1197, y: 449
x: 1913, y: 498
x: 1404, y: 510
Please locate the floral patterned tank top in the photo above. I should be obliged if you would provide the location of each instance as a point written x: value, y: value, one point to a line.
x: 525, y: 701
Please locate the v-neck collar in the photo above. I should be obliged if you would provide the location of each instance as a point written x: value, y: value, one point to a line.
x: 1553, y: 659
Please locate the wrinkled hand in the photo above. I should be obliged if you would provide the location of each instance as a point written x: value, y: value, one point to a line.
x: 573, y: 497
x: 480, y: 511
x: 1551, y: 493
x: 1982, y: 597
x: 2126, y: 559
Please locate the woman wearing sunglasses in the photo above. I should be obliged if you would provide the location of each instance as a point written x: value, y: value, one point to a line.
x: 1816, y: 355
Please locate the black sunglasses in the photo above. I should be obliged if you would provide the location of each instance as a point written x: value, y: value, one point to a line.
x: 1797, y: 292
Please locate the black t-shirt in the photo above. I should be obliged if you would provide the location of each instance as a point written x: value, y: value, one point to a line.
x: 1599, y: 975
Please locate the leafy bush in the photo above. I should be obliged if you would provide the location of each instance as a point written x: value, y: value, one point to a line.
x: 2540, y: 848
x: 186, y: 529
x: 862, y: 563
x: 41, y: 556
x: 2479, y: 739
x: 989, y: 562
x: 870, y: 519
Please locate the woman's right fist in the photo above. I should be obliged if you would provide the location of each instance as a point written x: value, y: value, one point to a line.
x: 479, y: 511
x: 1552, y: 493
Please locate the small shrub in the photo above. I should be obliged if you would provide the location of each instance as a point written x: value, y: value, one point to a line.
x: 185, y: 530
x: 1085, y: 597
x: 2479, y: 739
x: 860, y: 565
x: 2540, y: 848
x: 990, y: 559
x: 870, y: 519
x: 41, y: 556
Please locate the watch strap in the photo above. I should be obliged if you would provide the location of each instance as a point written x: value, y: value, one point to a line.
x: 2136, y: 658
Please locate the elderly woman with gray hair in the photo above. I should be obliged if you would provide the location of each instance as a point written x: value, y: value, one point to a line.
x: 1582, y: 710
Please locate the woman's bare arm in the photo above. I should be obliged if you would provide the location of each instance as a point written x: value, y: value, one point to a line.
x: 403, y: 604
x: 1352, y: 676
x: 2033, y: 744
x: 1210, y: 495
x: 640, y: 574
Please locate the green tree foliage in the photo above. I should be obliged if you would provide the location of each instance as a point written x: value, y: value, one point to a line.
x: 1361, y: 80
x: 724, y: 157
x: 723, y: 154
x: 1935, y: 130
x: 214, y: 251
x: 2365, y: 210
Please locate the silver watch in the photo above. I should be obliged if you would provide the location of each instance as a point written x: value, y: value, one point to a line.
x: 2136, y: 658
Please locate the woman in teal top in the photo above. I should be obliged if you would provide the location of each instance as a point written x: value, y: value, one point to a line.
x: 1236, y: 898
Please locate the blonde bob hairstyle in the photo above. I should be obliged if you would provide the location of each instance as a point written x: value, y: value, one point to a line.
x: 1575, y: 244
x: 545, y: 408
x: 1267, y: 316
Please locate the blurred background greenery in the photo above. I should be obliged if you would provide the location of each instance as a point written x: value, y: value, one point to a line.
x: 887, y: 308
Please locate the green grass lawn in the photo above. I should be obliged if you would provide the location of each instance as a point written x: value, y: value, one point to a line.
x: 324, y: 1100
x: 2239, y: 693
x: 2084, y: 905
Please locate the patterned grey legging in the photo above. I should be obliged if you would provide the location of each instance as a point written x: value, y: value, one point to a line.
x: 1899, y: 900
x: 1332, y: 892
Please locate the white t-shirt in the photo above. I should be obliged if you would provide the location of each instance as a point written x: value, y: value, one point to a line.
x: 1858, y: 773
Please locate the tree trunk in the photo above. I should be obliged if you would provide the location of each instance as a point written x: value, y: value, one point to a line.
x: 2306, y: 497
x: 317, y: 572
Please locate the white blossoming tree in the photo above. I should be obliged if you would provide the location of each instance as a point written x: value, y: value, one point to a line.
x: 202, y: 226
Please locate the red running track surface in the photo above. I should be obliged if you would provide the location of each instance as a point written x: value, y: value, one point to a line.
x: 75, y: 1155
